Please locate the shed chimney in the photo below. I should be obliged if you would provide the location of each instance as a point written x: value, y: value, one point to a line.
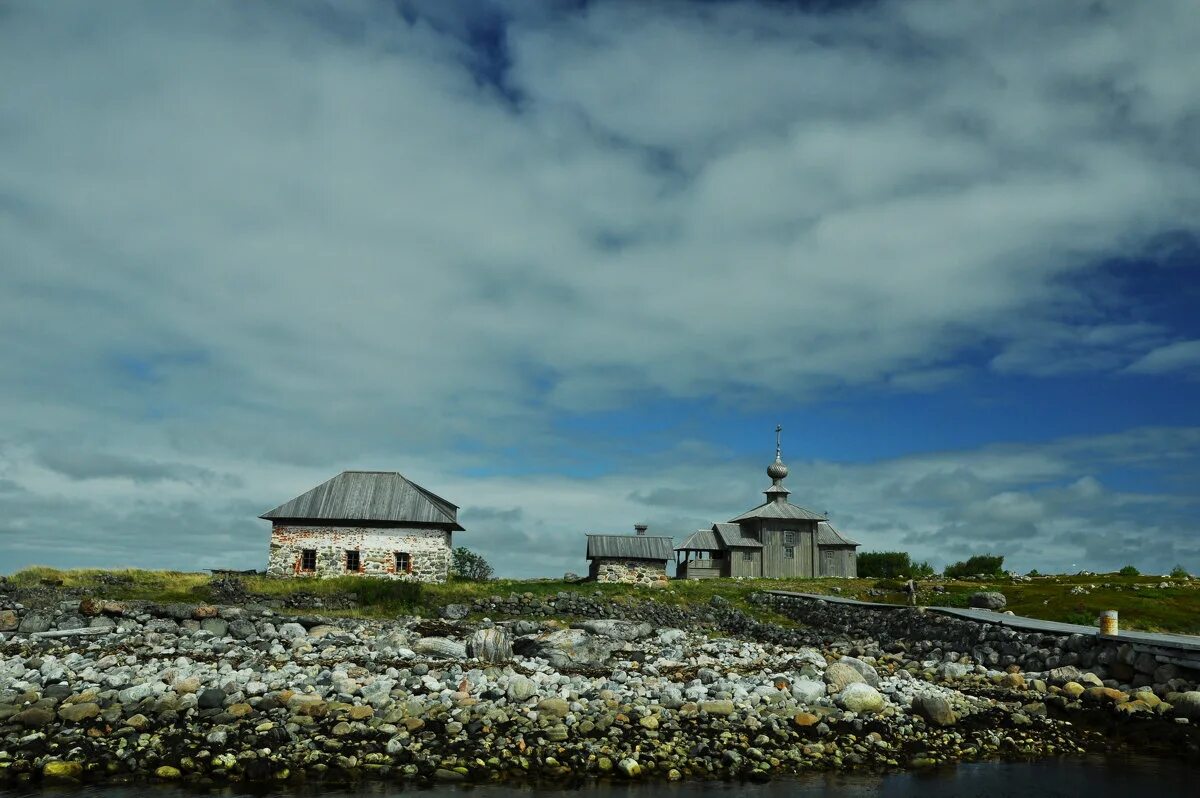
x: 640, y: 528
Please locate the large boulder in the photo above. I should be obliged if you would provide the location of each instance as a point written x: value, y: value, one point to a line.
x: 441, y: 647
x: 9, y: 621
x: 868, y: 672
x: 988, y: 600
x: 454, y: 612
x: 807, y: 691
x: 861, y: 698
x: 615, y: 629
x: 839, y: 675
x: 490, y: 645
x: 36, y: 622
x: 934, y: 708
x: 566, y: 648
x: 1188, y: 704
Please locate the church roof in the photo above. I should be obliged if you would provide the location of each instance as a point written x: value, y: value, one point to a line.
x: 375, y: 496
x: 778, y: 509
x: 700, y: 540
x: 828, y: 536
x: 731, y: 536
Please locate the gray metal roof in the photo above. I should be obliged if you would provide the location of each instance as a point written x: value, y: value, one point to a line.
x: 634, y: 547
x: 731, y: 536
x: 828, y: 536
x: 377, y: 496
x: 773, y: 509
x: 701, y: 540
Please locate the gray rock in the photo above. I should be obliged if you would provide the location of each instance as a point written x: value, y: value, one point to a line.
x: 67, y: 622
x: 240, y: 629
x: 868, y: 672
x: 860, y: 697
x: 216, y: 626
x: 521, y: 688
x: 1064, y: 674
x: 442, y: 647
x: 212, y: 698
x: 162, y: 626
x: 839, y: 675
x: 988, y: 600
x: 952, y: 671
x: 102, y: 622
x: 615, y: 629
x: 1188, y: 704
x: 292, y: 630
x: 490, y: 645
x: 36, y: 622
x: 669, y: 637
x: 454, y: 612
x: 565, y: 648
x: 935, y: 708
x: 808, y: 691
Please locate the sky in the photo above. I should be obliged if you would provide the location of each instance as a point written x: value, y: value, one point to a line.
x: 567, y: 264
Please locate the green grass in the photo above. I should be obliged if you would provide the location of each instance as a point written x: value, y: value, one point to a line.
x: 1173, y: 609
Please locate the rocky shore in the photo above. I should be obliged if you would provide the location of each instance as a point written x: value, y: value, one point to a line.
x: 564, y: 688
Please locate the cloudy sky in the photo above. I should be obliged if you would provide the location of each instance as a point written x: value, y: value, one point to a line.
x: 568, y: 264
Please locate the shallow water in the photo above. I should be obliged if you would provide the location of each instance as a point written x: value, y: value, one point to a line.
x: 1096, y: 777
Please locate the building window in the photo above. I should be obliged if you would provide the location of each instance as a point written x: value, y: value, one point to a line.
x: 308, y: 559
x: 747, y: 555
x: 352, y: 560
x: 789, y: 552
x: 403, y: 562
x: 789, y: 538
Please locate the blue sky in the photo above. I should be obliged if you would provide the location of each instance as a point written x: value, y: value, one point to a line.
x: 568, y: 264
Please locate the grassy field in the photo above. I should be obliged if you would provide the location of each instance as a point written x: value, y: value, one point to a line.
x: 1171, y: 609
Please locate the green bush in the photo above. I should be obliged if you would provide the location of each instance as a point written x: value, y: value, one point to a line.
x: 884, y: 564
x: 986, y: 564
x: 466, y: 564
x: 1034, y: 572
x: 1129, y: 570
x: 922, y: 570
x: 1179, y: 572
x: 893, y: 585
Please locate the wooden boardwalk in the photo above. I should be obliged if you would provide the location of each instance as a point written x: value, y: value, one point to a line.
x: 1180, y: 649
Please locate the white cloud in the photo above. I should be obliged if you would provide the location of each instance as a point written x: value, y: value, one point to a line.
x: 1180, y: 356
x: 277, y: 241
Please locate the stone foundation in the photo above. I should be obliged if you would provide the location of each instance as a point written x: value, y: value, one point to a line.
x: 651, y: 573
x: 428, y: 551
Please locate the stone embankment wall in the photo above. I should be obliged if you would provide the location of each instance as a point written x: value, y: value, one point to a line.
x: 428, y: 551
x: 652, y: 573
x: 932, y: 636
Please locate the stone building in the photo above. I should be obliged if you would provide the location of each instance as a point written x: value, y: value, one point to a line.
x: 371, y: 523
x: 775, y: 539
x: 638, y: 559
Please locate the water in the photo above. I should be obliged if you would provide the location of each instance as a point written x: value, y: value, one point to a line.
x: 1097, y: 777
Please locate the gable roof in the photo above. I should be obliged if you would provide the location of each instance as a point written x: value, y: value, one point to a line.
x: 700, y: 540
x: 731, y: 537
x: 828, y: 536
x: 778, y: 509
x: 634, y: 547
x: 377, y: 496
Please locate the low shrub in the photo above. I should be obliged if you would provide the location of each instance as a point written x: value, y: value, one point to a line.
x: 884, y: 564
x: 466, y: 564
x: 1179, y: 572
x: 1129, y: 570
x: 922, y: 570
x: 985, y: 564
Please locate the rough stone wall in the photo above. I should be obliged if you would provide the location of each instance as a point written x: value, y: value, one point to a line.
x: 652, y: 573
x: 931, y: 635
x: 428, y: 550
